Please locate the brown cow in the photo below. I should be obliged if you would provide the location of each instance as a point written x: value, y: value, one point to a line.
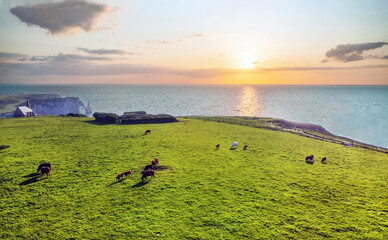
x: 217, y: 146
x: 147, y: 131
x: 44, y: 165
x: 120, y: 175
x: 149, y: 167
x: 155, y: 161
x: 146, y: 174
x: 324, y: 160
x: 245, y: 147
x: 310, y: 159
x: 129, y: 172
x: 46, y: 170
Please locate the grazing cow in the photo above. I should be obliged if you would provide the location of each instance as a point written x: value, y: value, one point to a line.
x: 120, y: 175
x: 245, y: 147
x: 345, y: 144
x: 310, y: 159
x: 45, y: 170
x: 149, y: 167
x: 217, y: 146
x: 155, y: 161
x: 48, y: 165
x: 323, y: 160
x: 234, y: 145
x: 147, y: 131
x: 146, y: 174
x: 129, y: 172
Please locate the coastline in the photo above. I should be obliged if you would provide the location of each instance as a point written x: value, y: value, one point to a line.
x: 308, y: 130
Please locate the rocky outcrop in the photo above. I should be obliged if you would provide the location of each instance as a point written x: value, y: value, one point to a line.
x: 304, y: 126
x: 106, y: 117
x: 139, y: 117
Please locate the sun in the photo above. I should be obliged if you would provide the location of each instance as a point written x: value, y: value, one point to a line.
x: 250, y: 62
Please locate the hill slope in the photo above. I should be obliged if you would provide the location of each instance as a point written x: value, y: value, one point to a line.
x: 267, y: 191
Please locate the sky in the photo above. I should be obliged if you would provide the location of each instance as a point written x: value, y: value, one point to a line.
x: 194, y: 42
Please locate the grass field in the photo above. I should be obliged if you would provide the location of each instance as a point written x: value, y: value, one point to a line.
x: 265, y: 192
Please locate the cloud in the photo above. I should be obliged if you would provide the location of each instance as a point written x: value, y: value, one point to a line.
x: 278, y: 69
x: 158, y: 41
x: 11, y: 55
x: 64, y: 58
x: 65, y: 17
x: 352, y: 52
x: 67, y: 65
x: 70, y: 69
x: 105, y: 51
x: 195, y: 35
x: 385, y: 57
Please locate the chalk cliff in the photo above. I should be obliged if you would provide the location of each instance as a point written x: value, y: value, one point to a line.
x: 58, y: 106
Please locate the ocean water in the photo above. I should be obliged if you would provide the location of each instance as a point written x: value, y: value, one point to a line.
x: 357, y: 112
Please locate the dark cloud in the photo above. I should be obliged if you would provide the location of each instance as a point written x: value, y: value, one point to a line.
x: 65, y: 17
x: 11, y: 55
x: 64, y: 58
x: 105, y: 51
x: 352, y: 52
x: 385, y: 57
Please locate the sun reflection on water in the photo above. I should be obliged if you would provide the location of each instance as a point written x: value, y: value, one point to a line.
x: 249, y: 102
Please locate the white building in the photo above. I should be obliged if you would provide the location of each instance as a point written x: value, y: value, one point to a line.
x: 23, y: 112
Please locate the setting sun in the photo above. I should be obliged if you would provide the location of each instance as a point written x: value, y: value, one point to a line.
x: 250, y: 62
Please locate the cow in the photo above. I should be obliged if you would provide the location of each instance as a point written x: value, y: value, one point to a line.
x: 120, y: 175
x: 323, y: 160
x: 310, y: 159
x: 45, y: 170
x: 149, y: 167
x: 44, y: 165
x: 155, y: 162
x: 245, y: 147
x: 217, y: 146
x: 146, y: 174
x: 129, y: 172
x: 147, y: 131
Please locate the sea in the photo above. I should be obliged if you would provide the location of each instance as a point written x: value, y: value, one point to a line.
x: 357, y: 112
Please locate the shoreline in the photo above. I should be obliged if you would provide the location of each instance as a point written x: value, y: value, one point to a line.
x: 309, y: 130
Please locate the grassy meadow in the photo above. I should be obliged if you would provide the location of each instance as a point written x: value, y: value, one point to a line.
x: 265, y: 192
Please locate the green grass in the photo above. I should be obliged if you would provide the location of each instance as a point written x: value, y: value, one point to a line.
x: 265, y: 192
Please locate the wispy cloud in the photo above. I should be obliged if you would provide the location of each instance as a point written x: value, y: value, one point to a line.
x: 278, y: 69
x: 158, y: 42
x: 178, y: 40
x: 68, y: 65
x: 195, y: 35
x: 353, y: 52
x: 65, y: 17
x: 105, y: 51
x: 61, y: 57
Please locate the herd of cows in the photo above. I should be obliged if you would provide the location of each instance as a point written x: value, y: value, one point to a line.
x: 149, y: 170
x: 310, y: 160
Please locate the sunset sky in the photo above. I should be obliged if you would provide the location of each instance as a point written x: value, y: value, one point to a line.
x: 194, y: 42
